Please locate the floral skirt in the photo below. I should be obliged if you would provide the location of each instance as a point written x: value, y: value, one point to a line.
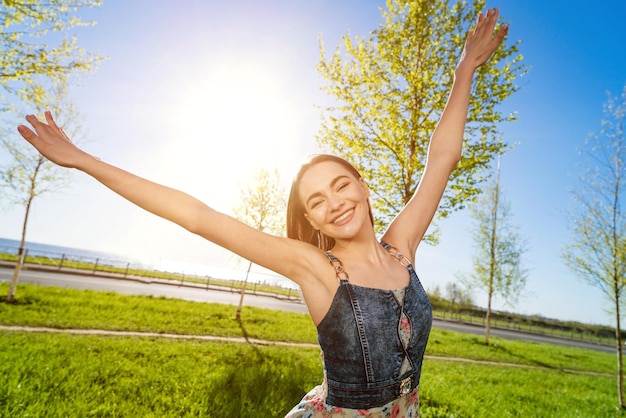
x: 313, y: 406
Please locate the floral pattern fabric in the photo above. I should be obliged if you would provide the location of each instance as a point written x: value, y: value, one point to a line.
x: 313, y: 406
x: 404, y: 329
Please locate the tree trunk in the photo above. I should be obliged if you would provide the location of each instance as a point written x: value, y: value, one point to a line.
x: 243, y: 292
x: 620, y: 366
x: 488, y: 320
x: 20, y: 256
x: 617, y: 280
x: 20, y: 253
x: 492, y: 244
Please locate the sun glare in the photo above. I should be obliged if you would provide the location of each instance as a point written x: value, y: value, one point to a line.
x: 229, y: 122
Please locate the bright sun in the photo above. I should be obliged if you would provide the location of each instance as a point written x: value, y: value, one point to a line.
x: 230, y: 121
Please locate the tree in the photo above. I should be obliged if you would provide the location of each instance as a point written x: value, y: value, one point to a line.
x: 390, y: 90
x: 37, y: 56
x: 597, y: 248
x: 458, y: 296
x: 27, y: 63
x: 28, y: 174
x: 263, y: 206
x: 497, y: 262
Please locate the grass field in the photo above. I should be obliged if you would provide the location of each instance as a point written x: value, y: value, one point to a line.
x: 441, y: 307
x: 57, y: 374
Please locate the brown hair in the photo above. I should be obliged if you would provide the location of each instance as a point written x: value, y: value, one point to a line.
x: 298, y: 227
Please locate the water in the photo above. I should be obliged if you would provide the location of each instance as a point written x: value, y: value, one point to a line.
x: 11, y: 246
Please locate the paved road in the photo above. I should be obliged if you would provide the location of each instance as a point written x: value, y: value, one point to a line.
x: 133, y: 287
x: 216, y: 296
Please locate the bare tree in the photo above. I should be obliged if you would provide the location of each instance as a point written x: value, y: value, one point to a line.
x: 596, y: 251
x: 497, y: 262
x: 263, y: 206
x: 28, y: 174
x: 458, y: 296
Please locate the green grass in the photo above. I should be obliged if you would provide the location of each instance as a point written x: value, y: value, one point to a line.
x: 55, y: 307
x: 441, y: 308
x: 471, y: 390
x: 55, y: 374
x: 453, y: 344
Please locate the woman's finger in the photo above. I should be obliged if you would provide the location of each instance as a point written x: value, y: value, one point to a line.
x: 52, y: 123
x: 26, y: 133
x: 487, y: 23
x: 32, y: 119
x: 50, y: 119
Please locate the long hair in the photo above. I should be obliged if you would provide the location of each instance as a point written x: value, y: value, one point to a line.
x: 298, y: 227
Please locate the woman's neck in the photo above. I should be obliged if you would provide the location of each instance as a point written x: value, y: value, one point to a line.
x: 366, y: 248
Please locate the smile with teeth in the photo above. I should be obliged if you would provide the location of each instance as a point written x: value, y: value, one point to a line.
x: 344, y: 216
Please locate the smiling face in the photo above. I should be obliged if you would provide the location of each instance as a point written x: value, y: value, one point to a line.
x: 334, y: 200
x: 298, y: 225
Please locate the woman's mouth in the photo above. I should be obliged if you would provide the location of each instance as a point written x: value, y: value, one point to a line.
x: 343, y: 217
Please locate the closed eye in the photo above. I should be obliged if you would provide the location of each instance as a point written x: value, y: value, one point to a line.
x: 342, y: 186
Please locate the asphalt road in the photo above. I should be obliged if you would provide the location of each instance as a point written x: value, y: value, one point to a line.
x: 201, y: 294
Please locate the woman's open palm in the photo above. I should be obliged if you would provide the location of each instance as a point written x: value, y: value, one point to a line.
x: 50, y: 140
x: 481, y: 42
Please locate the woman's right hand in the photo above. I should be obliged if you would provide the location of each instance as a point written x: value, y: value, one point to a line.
x: 294, y: 259
x: 50, y: 140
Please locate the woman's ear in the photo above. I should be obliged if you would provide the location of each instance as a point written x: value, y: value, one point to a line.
x: 306, y: 215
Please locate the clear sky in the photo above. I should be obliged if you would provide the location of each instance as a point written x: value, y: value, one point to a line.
x: 199, y: 94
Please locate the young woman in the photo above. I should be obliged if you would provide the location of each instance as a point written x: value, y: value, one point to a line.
x: 371, y: 312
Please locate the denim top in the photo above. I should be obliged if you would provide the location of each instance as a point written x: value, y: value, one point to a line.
x: 367, y: 363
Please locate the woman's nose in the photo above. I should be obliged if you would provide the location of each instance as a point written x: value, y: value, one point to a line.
x: 334, y: 202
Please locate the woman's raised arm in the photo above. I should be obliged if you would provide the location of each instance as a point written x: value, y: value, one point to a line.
x: 276, y: 253
x: 444, y: 151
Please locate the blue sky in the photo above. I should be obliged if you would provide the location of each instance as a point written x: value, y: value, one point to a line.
x: 200, y: 94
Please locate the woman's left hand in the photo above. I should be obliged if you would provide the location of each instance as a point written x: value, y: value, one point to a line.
x: 481, y: 42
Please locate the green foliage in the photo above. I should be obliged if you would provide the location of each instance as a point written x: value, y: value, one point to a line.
x: 458, y: 296
x: 597, y: 248
x: 263, y: 204
x: 35, y: 47
x: 28, y: 174
x: 38, y: 73
x: 498, y: 247
x: 37, y: 57
x: 390, y: 90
